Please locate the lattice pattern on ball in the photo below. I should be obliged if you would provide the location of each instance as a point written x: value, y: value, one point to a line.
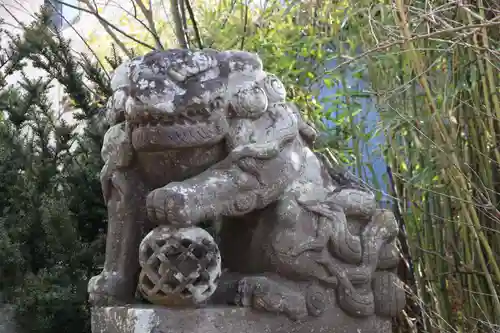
x: 175, y: 268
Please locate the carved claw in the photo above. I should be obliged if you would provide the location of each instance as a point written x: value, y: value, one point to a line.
x: 355, y: 302
x: 352, y: 300
x: 265, y: 294
x: 155, y: 205
x: 355, y: 275
x: 383, y: 229
x: 389, y: 294
x: 245, y: 292
x: 333, y: 221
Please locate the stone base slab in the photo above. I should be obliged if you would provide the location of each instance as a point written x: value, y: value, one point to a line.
x: 152, y: 319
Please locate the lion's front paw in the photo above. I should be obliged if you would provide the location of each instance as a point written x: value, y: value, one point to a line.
x: 167, y: 206
x: 265, y: 294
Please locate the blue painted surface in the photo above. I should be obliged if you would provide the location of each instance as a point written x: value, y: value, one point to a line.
x: 371, y: 153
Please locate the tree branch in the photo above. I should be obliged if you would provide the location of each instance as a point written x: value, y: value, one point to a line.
x: 83, y: 39
x: 148, y: 14
x: 194, y: 23
x: 176, y: 17
x: 108, y: 26
x: 135, y: 16
x: 182, y: 6
x: 389, y: 44
x: 245, y: 27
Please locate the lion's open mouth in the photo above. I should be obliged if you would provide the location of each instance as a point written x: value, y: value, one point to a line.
x: 153, y: 118
x: 153, y: 131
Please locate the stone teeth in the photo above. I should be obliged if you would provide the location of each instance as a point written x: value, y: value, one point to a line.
x: 188, y: 117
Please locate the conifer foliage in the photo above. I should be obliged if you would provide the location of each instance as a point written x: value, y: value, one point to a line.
x: 52, y: 216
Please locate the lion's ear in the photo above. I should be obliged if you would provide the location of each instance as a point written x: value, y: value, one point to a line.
x: 274, y: 88
x: 265, y: 137
x: 117, y: 148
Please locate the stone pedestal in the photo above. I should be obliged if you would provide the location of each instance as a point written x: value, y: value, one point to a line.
x: 151, y: 319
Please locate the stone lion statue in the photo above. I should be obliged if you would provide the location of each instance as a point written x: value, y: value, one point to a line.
x: 208, y: 135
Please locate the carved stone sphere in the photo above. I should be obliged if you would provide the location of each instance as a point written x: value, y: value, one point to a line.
x: 179, y: 266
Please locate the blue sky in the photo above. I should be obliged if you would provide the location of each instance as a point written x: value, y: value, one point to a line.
x: 369, y: 118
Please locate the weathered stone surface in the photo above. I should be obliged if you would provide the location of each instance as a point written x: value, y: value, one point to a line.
x: 151, y: 319
x: 203, y: 136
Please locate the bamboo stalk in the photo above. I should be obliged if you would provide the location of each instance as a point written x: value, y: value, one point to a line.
x: 456, y: 179
x: 453, y: 195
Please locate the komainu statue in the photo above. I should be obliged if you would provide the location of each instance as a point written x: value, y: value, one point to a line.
x: 208, y: 135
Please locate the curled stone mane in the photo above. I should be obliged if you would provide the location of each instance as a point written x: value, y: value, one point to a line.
x: 190, y: 95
